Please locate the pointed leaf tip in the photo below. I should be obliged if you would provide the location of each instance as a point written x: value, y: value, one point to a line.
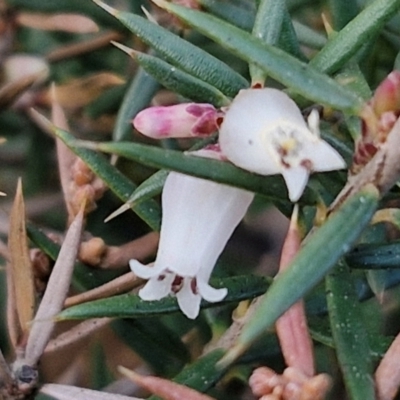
x: 124, y: 48
x: 106, y: 7
x: 160, y: 3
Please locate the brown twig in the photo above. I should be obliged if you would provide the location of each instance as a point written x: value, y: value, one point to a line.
x: 87, y: 46
x: 119, y: 285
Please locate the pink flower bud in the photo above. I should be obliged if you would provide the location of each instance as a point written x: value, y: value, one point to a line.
x: 178, y: 121
x: 387, y: 95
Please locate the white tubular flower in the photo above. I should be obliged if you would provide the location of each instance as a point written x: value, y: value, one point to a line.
x: 264, y: 132
x: 198, y: 218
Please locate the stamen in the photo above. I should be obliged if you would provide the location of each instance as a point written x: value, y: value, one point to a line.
x: 193, y: 286
x: 177, y: 284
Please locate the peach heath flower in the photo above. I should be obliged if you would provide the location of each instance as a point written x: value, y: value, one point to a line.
x: 198, y: 218
x: 180, y: 120
x: 263, y: 131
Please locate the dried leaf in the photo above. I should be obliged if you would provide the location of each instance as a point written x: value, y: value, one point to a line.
x: 56, y: 292
x: 65, y: 157
x: 13, y: 326
x: 164, y: 388
x: 21, y: 268
x: 74, y: 23
x: 291, y: 327
x: 78, y: 93
x: 387, y: 375
x: 64, y: 392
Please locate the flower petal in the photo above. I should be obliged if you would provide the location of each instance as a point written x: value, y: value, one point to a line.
x: 144, y: 271
x: 249, y: 124
x: 156, y: 288
x: 296, y: 180
x: 209, y: 293
x: 188, y: 301
x: 199, y: 216
x: 322, y: 156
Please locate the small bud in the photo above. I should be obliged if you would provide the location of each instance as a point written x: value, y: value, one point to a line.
x: 387, y: 95
x: 81, y: 173
x: 263, y: 380
x: 92, y: 251
x: 178, y: 121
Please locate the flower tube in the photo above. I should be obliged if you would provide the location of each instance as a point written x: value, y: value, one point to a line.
x: 199, y: 217
x: 264, y: 132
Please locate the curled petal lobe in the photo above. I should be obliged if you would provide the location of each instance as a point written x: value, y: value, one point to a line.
x: 157, y: 288
x: 189, y: 302
x: 209, y: 293
x: 263, y: 131
x: 144, y: 271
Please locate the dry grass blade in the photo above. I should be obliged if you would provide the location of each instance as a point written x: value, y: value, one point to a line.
x: 164, y: 388
x: 78, y: 332
x: 64, y: 392
x: 73, y: 23
x: 21, y: 268
x: 65, y: 157
x: 118, y: 285
x: 56, y: 292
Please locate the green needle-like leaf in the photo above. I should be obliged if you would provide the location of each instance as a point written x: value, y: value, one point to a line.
x: 201, y: 374
x: 122, y: 187
x: 375, y: 256
x: 146, y: 190
x: 286, y: 69
x: 149, y: 211
x: 318, y: 255
x: 343, y: 11
x: 267, y: 28
x: 177, y: 80
x: 181, y: 53
x: 131, y: 306
x: 137, y: 97
x: 218, y: 171
x: 355, y: 34
x: 348, y: 330
x: 158, y: 345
